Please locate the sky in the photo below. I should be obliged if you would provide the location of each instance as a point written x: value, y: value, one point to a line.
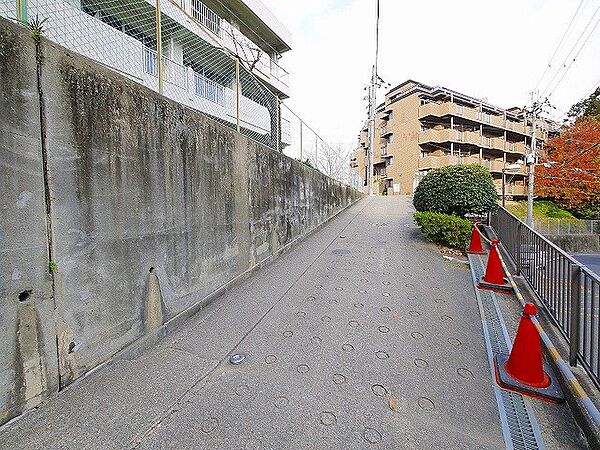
x: 487, y: 49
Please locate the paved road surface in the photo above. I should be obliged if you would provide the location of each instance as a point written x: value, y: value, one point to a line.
x: 363, y: 336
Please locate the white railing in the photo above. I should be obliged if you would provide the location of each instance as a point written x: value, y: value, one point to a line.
x: 206, y: 16
x: 173, y: 72
x: 264, y: 63
x: 208, y: 89
x: 150, y: 59
x: 280, y: 73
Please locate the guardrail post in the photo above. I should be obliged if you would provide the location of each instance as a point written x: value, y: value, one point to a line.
x: 575, y: 313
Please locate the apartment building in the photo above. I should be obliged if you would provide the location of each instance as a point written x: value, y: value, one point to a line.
x: 419, y: 128
x: 200, y: 41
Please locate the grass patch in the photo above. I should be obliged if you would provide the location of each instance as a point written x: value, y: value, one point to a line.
x: 542, y: 209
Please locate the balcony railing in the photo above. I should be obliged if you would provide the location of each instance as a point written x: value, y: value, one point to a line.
x: 265, y: 63
x: 206, y: 16
x: 448, y: 108
x: 173, y: 72
x: 208, y: 89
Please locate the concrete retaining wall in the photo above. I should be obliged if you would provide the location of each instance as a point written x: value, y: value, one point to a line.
x: 577, y: 243
x: 120, y: 209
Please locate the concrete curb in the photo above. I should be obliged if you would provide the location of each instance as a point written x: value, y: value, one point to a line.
x: 585, y: 412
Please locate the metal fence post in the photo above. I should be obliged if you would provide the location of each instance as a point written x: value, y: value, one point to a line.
x: 300, y: 140
x: 237, y: 93
x: 574, y: 313
x: 22, y: 12
x: 316, y: 152
x: 159, y: 66
x: 278, y: 124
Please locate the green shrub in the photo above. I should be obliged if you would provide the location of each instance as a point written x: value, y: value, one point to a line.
x: 457, y: 190
x: 451, y: 231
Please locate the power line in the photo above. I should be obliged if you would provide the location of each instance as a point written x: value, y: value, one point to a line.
x: 571, y: 51
x: 575, y: 58
x: 559, y: 44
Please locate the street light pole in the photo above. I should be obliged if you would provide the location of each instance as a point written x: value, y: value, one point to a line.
x: 530, y: 159
x: 372, y: 107
x: 503, y: 187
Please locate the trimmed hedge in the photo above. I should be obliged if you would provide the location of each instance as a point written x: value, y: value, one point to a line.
x: 457, y: 190
x: 451, y: 231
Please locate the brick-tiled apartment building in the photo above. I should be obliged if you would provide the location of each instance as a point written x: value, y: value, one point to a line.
x: 420, y: 127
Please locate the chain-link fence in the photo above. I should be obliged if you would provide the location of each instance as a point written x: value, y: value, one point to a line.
x: 300, y: 141
x: 185, y: 51
x: 557, y: 227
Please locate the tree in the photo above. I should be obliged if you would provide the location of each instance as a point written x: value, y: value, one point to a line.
x: 586, y: 108
x: 244, y: 49
x: 456, y: 190
x: 569, y: 172
x: 333, y: 161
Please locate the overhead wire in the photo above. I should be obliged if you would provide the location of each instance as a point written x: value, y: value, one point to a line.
x: 575, y: 58
x: 564, y: 63
x: 549, y: 65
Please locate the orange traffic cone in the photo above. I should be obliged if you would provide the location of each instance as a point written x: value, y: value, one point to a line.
x: 524, y: 371
x: 494, y: 275
x: 475, y: 244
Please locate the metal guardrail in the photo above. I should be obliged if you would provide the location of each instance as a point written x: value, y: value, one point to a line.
x: 569, y: 291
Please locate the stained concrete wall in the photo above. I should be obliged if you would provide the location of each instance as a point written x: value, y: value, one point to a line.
x: 146, y: 208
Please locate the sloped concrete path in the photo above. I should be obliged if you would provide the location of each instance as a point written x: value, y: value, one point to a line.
x: 360, y: 337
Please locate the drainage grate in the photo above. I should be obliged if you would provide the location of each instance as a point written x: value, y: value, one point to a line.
x: 518, y: 422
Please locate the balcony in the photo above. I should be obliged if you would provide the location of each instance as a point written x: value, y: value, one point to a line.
x: 431, y: 135
x: 433, y: 162
x: 205, y: 16
x: 516, y: 147
x: 386, y: 132
x: 471, y: 138
x: 267, y: 66
x: 447, y: 109
x: 225, y: 34
x: 511, y: 189
x: 384, y: 152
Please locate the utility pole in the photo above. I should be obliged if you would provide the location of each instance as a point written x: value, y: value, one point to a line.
x: 372, y: 107
x: 531, y: 160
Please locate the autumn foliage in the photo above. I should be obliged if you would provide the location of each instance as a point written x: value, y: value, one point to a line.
x: 569, y: 171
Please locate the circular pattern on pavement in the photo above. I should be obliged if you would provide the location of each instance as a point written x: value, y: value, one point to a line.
x: 379, y: 390
x: 338, y: 378
x: 327, y: 418
x: 381, y: 354
x: 209, y: 425
x: 371, y: 435
x: 426, y: 404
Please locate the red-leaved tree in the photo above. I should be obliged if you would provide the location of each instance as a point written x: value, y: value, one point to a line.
x: 569, y: 171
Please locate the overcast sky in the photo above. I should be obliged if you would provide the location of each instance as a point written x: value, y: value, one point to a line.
x: 488, y: 49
